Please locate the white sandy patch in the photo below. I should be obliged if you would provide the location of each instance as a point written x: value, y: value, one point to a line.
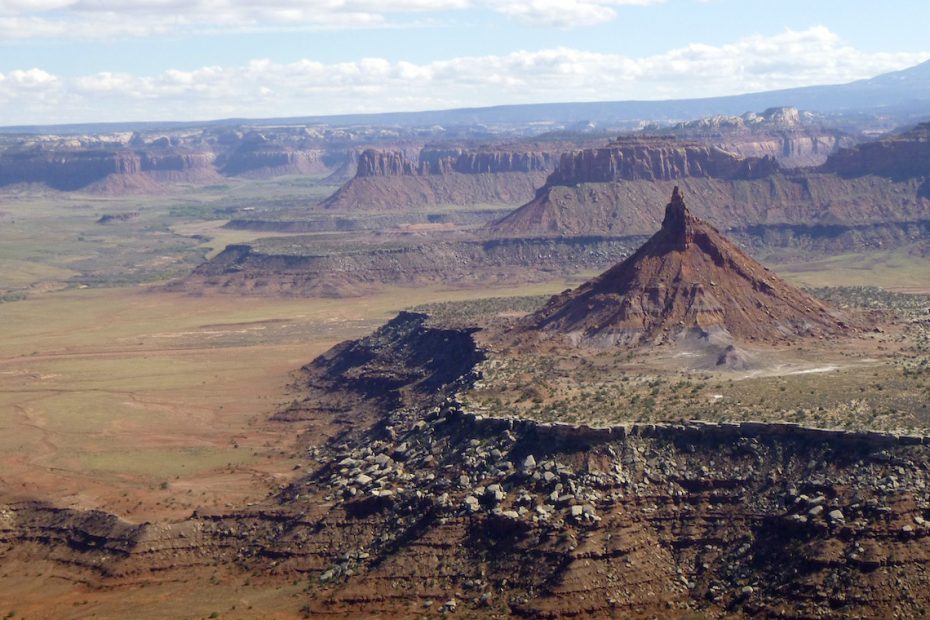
x: 808, y: 371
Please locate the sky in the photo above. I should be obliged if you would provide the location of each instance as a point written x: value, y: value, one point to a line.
x: 68, y: 61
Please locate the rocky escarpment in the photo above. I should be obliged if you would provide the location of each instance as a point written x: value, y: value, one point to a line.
x: 792, y: 199
x: 393, y: 180
x: 447, y: 161
x: 132, y: 164
x: 656, y: 160
x: 66, y: 171
x: 421, y: 506
x: 404, y: 362
x: 258, y: 157
x: 552, y: 520
x: 794, y: 138
x: 599, y: 192
x: 826, y: 239
x: 901, y: 157
x: 179, y: 166
x: 288, y: 269
x: 105, y: 170
x: 382, y: 222
x: 403, y: 354
x: 547, y: 521
x: 373, y: 163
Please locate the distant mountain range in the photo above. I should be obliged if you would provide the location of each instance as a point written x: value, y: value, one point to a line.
x: 901, y: 96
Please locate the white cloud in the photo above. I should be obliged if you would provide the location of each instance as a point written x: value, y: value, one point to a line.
x: 31, y: 78
x: 567, y: 13
x: 263, y: 88
x: 89, y: 19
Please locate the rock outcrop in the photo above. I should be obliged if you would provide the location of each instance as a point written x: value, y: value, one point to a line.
x: 612, y: 191
x: 265, y: 269
x: 179, y: 165
x: 394, y: 180
x: 794, y: 138
x: 103, y: 170
x: 374, y: 163
x: 656, y: 160
x: 418, y: 506
x: 66, y: 170
x: 130, y: 163
x: 901, y: 157
x: 432, y: 161
x: 790, y: 149
x: 269, y: 160
x: 687, y: 280
x: 446, y: 161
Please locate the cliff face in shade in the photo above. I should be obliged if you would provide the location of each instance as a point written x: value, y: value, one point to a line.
x: 100, y: 169
x: 268, y: 161
x: 616, y: 191
x: 178, y: 165
x: 630, y: 208
x: 395, y: 180
x: 899, y: 157
x: 687, y: 279
x: 66, y: 171
x: 130, y: 163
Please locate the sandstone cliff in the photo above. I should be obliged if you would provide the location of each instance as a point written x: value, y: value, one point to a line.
x: 794, y: 138
x: 615, y: 190
x: 395, y: 180
x: 66, y: 171
x: 790, y: 149
x: 656, y: 160
x: 178, y: 165
x: 130, y: 163
x: 900, y: 157
x: 267, y: 161
x: 103, y: 169
x: 435, y: 161
x: 374, y: 163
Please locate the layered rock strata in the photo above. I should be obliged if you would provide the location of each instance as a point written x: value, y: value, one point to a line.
x: 393, y: 180
x: 246, y: 269
x: 615, y: 190
x: 687, y: 279
x: 422, y: 507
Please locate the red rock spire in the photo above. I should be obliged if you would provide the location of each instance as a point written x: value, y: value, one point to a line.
x: 687, y: 280
x: 678, y: 222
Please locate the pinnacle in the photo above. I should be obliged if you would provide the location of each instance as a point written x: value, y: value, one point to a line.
x: 687, y: 277
x: 678, y: 220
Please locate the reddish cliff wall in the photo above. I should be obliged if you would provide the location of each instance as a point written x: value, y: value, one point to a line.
x: 664, y: 161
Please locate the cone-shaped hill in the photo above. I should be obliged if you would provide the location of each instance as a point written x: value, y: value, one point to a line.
x: 687, y: 280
